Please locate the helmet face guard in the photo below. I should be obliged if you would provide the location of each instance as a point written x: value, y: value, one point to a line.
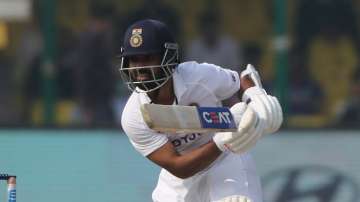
x: 159, y: 74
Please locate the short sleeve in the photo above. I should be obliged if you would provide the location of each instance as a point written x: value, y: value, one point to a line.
x: 144, y: 139
x: 223, y: 82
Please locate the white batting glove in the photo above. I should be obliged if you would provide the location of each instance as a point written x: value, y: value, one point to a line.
x: 266, y: 106
x: 253, y: 74
x: 250, y: 129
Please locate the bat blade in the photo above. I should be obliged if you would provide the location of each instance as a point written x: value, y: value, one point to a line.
x: 187, y: 119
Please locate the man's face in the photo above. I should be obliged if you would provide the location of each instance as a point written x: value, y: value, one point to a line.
x: 142, y: 61
x: 145, y: 74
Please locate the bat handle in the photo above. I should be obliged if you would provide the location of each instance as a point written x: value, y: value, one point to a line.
x: 11, y: 183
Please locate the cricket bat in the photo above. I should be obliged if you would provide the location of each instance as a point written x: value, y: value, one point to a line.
x: 187, y: 119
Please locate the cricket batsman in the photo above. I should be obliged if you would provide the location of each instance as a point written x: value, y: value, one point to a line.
x: 196, y: 167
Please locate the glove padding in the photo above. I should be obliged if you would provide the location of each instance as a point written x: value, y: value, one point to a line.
x: 253, y: 74
x: 250, y: 129
x: 266, y: 106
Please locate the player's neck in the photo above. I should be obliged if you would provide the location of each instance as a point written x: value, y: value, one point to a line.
x: 165, y: 95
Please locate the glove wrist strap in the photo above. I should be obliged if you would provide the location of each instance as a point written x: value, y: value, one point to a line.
x: 219, y: 142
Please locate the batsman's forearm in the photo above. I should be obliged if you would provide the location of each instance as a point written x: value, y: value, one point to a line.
x: 189, y: 164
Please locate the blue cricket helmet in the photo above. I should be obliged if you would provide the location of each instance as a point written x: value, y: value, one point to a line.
x: 149, y: 37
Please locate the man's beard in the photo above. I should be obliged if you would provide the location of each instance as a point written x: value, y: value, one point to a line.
x: 151, y: 85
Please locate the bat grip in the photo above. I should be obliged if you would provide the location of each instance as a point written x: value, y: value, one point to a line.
x: 11, y: 182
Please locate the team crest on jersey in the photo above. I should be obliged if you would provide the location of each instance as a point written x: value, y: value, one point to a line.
x: 136, y: 39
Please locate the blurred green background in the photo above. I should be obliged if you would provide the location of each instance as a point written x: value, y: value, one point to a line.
x: 58, y: 58
x: 61, y: 96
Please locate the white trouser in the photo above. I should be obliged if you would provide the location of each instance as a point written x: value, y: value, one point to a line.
x: 232, y: 175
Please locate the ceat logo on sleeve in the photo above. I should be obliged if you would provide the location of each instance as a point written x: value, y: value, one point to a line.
x: 216, y: 117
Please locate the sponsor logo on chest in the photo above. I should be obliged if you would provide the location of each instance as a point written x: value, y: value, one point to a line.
x: 185, y: 139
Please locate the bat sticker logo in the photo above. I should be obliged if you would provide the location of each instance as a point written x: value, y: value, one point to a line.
x: 216, y: 117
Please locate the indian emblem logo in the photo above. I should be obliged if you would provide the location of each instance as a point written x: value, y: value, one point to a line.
x: 136, y: 39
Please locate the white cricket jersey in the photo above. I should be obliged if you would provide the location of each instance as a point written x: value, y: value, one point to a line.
x: 194, y: 84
